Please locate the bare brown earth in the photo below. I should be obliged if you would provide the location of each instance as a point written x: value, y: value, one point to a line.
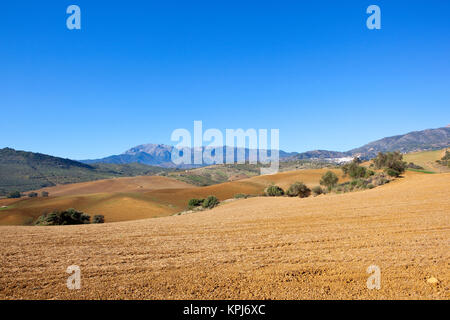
x: 118, y: 199
x: 258, y: 248
x: 127, y: 184
x: 123, y: 199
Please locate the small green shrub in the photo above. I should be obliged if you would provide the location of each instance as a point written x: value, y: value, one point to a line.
x: 98, y: 218
x: 14, y: 195
x: 329, y: 179
x: 370, y: 186
x: 359, y: 183
x: 354, y: 170
x: 210, y: 202
x: 360, y: 172
x: 192, y: 203
x: 32, y: 195
x: 379, y: 179
x: 317, y: 190
x: 68, y: 217
x: 298, y: 189
x: 347, y: 188
x: 241, y: 196
x: 392, y: 172
x: 369, y: 173
x: 445, y: 160
x: 414, y: 166
x: 274, y: 191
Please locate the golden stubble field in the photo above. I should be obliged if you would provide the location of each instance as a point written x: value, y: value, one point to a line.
x: 427, y: 159
x: 258, y: 248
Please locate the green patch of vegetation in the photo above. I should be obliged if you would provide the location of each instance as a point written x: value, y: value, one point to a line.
x: 98, y: 218
x: 392, y: 162
x: 445, y: 160
x: 355, y: 171
x: 23, y: 171
x: 197, y: 180
x: 14, y: 195
x: 298, y: 189
x: 130, y: 169
x: 223, y: 176
x: 426, y: 159
x: 207, y: 203
x: 215, y: 174
x: 304, y: 164
x: 422, y: 171
x: 67, y: 217
x: 362, y: 183
x: 414, y: 166
x: 392, y: 172
x: 210, y: 202
x: 317, y: 190
x: 206, y: 176
x: 329, y: 180
x: 192, y: 203
x: 274, y: 191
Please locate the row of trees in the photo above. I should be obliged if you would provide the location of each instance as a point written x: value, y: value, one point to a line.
x: 299, y: 189
x: 207, y: 203
x: 67, y: 217
x: 362, y: 177
x: 391, y: 162
x: 17, y: 194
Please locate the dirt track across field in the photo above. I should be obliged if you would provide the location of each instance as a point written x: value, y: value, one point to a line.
x: 258, y: 248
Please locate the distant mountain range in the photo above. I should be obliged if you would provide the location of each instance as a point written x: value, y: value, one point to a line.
x: 430, y: 139
x: 160, y: 154
x: 23, y: 171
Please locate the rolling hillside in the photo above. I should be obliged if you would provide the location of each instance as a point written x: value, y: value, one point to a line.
x: 140, y: 197
x: 138, y: 184
x: 430, y: 139
x: 427, y: 160
x: 258, y: 248
x: 24, y: 171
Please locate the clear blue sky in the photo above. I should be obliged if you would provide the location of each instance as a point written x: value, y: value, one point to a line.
x: 137, y: 70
